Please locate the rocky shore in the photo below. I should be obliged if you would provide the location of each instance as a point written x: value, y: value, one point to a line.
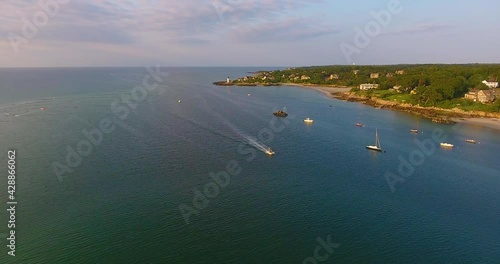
x: 438, y: 115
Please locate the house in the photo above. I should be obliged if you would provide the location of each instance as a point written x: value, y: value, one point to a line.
x: 374, y: 75
x: 355, y: 72
x: 471, y: 95
x: 397, y: 88
x: 483, y: 96
x: 400, y: 72
x: 389, y: 75
x: 368, y: 86
x: 333, y: 77
x: 305, y: 77
x: 491, y: 84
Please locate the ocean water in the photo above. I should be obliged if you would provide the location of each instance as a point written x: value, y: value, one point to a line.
x: 120, y: 203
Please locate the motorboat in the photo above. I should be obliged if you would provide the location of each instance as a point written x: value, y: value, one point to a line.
x: 270, y: 152
x: 308, y: 120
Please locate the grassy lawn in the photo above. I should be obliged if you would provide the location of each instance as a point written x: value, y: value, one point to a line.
x: 400, y: 98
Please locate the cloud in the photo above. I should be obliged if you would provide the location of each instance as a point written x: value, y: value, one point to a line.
x: 193, y: 41
x: 287, y: 30
x: 145, y: 28
x: 421, y: 28
x: 120, y: 21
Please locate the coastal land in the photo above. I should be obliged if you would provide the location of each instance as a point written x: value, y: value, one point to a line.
x: 440, y: 99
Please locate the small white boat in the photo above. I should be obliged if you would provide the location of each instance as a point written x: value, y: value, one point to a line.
x: 269, y: 152
x: 415, y: 130
x: 7, y: 114
x: 249, y: 94
x: 446, y: 145
x: 377, y: 146
x: 178, y: 101
x: 472, y: 141
x: 308, y: 120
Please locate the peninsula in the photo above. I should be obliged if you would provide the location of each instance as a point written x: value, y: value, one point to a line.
x: 442, y: 93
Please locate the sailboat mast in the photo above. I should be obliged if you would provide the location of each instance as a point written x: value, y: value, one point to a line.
x: 377, y: 142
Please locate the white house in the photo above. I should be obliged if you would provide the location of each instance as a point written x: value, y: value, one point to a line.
x: 368, y: 86
x: 491, y: 84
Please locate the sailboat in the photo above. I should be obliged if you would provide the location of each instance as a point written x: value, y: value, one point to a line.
x: 377, y: 146
x: 415, y: 130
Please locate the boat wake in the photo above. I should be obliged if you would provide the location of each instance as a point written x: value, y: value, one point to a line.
x: 233, y: 133
x: 238, y: 136
x: 247, y: 139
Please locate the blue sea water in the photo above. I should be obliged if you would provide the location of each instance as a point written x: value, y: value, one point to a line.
x: 120, y: 204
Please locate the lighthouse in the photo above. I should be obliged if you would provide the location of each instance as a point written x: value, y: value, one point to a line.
x: 227, y: 80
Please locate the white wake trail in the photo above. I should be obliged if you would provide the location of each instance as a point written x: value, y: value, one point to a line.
x: 251, y: 140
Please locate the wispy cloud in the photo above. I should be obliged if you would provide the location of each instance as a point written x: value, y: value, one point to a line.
x: 287, y: 30
x: 126, y: 21
x: 420, y: 28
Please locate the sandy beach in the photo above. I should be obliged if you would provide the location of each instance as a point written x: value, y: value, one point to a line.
x: 326, y: 90
x: 485, y: 122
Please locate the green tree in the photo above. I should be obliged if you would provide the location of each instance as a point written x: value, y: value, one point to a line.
x: 475, y: 79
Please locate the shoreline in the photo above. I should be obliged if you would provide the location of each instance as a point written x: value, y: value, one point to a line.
x: 328, y: 91
x: 438, y: 115
x: 493, y: 123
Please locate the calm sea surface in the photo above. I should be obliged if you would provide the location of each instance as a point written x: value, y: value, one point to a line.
x: 119, y: 203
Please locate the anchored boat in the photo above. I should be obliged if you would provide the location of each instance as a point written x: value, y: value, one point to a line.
x: 377, y: 146
x: 280, y: 113
x: 446, y: 145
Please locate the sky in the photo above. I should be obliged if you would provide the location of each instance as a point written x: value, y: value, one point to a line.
x: 74, y: 33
